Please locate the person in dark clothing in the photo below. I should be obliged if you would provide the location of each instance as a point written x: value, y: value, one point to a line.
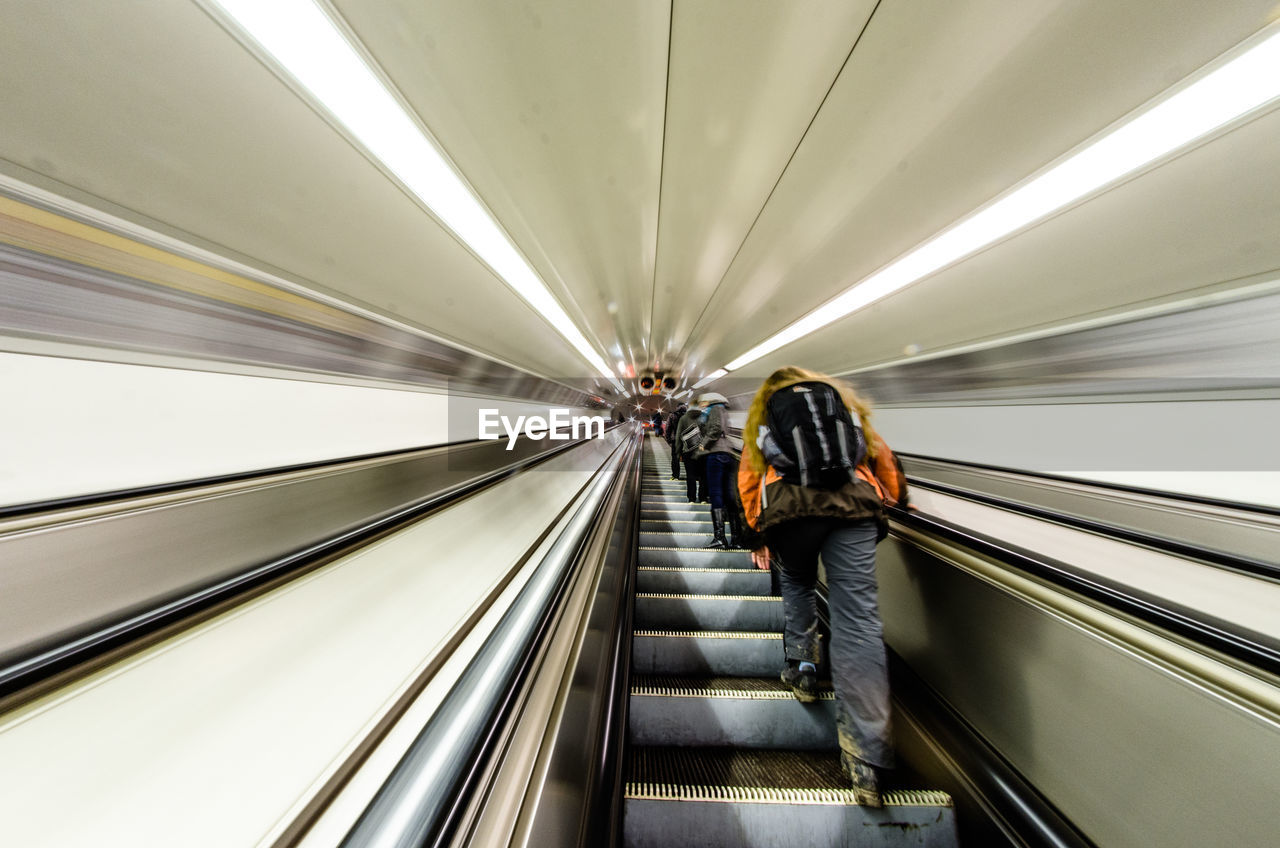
x: 669, y: 431
x: 720, y: 460
x: 688, y: 440
x: 656, y: 421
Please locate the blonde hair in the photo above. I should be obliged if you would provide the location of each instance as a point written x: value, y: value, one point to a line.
x: 757, y: 415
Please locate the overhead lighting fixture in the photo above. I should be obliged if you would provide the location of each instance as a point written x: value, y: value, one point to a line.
x: 311, y: 49
x: 711, y: 378
x: 1245, y: 80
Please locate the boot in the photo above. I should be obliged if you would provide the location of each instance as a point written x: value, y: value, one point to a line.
x: 865, y: 780
x: 717, y: 524
x: 735, y: 528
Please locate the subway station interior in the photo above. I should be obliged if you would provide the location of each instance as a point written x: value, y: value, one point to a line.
x: 342, y: 344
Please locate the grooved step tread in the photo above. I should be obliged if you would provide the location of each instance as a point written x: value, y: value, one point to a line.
x: 708, y: 634
x: 684, y: 596
x: 698, y: 550
x: 747, y: 775
x: 748, y: 688
x: 691, y: 568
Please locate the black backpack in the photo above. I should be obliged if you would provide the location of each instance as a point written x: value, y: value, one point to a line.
x: 813, y: 428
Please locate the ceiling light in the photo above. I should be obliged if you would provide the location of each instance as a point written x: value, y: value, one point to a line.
x: 307, y: 45
x: 1223, y: 92
x: 712, y: 377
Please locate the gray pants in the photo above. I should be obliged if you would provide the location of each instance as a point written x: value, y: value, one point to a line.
x: 858, y: 667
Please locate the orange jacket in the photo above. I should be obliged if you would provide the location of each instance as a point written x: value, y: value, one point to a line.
x: 768, y: 500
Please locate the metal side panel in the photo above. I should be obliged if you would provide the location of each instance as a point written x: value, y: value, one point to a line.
x: 1136, y: 739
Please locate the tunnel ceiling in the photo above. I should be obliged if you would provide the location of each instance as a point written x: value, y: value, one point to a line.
x: 688, y: 178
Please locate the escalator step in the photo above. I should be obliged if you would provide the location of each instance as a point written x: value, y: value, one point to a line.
x: 720, y: 653
x: 677, y: 510
x: 741, y: 712
x: 674, y: 525
x: 694, y: 558
x: 768, y: 799
x: 702, y: 581
x: 691, y: 537
x: 681, y: 611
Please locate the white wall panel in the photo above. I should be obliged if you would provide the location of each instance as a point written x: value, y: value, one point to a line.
x: 1223, y: 449
x: 74, y: 426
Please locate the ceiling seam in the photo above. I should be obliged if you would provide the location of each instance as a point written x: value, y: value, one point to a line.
x: 696, y: 324
x: 561, y: 294
x: 662, y: 167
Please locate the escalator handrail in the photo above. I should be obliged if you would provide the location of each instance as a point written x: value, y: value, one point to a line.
x: 193, y: 485
x: 27, y: 672
x: 1212, y: 556
x: 423, y: 799
x: 1177, y: 497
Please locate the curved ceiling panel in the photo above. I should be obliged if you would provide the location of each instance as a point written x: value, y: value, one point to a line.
x: 154, y: 108
x: 554, y: 113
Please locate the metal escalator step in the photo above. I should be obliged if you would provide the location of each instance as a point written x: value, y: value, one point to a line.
x: 722, y: 653
x: 693, y: 557
x: 712, y: 686
x: 690, y: 512
x: 675, y: 525
x: 768, y: 799
x: 702, y: 581
x: 718, y: 711
x: 687, y: 538
x: 686, y: 611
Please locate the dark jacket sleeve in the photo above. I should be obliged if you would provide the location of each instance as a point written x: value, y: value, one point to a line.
x: 714, y: 430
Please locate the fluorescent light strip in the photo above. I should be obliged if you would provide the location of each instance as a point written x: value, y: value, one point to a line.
x: 1241, y: 85
x: 311, y: 49
x: 710, y: 378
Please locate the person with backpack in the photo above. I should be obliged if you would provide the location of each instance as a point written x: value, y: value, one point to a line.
x: 688, y: 439
x: 669, y: 432
x: 814, y: 480
x: 719, y: 463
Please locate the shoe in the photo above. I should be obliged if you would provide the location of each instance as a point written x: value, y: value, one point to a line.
x: 717, y: 525
x: 865, y: 780
x: 804, y: 684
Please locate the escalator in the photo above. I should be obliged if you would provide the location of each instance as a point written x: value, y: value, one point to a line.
x: 720, y: 752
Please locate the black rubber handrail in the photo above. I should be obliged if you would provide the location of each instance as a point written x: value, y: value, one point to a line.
x: 29, y: 671
x: 1260, y: 509
x: 1192, y: 625
x: 1212, y: 556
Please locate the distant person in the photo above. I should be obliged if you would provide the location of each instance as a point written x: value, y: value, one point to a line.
x: 688, y: 440
x: 814, y: 479
x: 720, y: 460
x: 669, y: 432
x: 656, y: 421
